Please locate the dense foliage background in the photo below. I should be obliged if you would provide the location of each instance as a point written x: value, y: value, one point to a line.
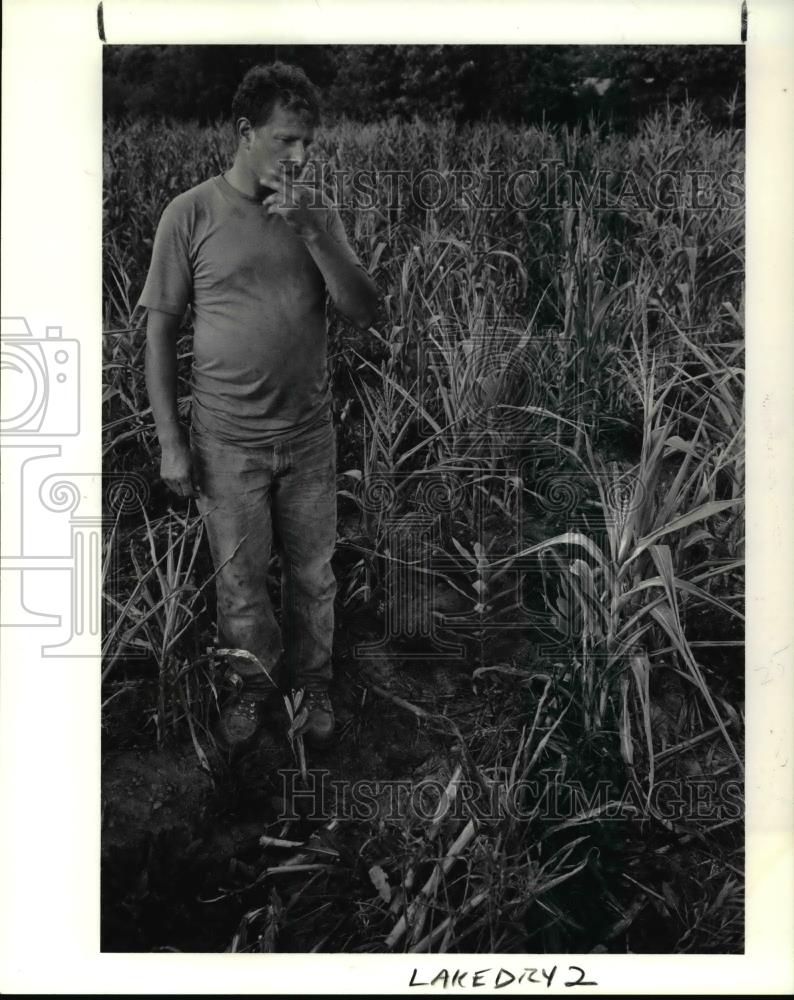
x: 513, y: 83
x: 608, y: 650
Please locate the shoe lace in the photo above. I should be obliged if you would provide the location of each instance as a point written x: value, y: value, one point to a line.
x: 246, y: 706
x: 317, y: 700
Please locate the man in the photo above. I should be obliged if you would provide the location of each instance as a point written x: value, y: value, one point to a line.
x: 253, y: 254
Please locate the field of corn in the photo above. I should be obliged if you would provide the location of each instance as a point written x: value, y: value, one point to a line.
x: 539, y: 566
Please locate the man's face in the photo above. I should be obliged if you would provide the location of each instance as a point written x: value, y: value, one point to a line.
x: 286, y: 135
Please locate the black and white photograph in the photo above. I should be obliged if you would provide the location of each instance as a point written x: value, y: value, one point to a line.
x: 396, y: 437
x: 423, y: 431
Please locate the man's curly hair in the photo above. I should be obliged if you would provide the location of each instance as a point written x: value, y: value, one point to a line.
x: 263, y: 86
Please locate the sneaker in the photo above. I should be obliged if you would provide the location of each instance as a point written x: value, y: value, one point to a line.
x: 240, y: 720
x: 319, y: 725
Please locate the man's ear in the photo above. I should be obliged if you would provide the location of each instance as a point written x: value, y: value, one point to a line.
x: 244, y: 131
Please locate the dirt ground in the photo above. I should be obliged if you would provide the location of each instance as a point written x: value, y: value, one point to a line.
x: 175, y: 837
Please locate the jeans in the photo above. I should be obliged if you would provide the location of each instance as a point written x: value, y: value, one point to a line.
x: 252, y: 499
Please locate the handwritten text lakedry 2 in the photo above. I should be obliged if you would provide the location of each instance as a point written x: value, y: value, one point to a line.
x: 500, y: 978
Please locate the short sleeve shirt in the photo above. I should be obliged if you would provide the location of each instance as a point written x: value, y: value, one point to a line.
x: 258, y: 307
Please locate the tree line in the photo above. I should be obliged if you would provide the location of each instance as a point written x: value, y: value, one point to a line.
x: 618, y: 84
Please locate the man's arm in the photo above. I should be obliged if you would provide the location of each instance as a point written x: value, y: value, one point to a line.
x: 176, y: 469
x: 352, y: 290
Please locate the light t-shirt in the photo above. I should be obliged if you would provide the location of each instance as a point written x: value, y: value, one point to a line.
x: 258, y: 303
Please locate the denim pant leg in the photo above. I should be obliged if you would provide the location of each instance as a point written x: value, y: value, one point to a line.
x: 304, y: 520
x: 235, y: 493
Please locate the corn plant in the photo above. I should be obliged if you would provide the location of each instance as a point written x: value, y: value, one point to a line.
x: 626, y: 587
x: 158, y: 614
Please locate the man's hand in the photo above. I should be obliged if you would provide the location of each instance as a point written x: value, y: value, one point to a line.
x: 176, y: 465
x: 306, y: 210
x: 176, y: 468
x: 301, y: 206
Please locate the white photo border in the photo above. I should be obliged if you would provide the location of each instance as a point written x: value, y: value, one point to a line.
x: 51, y: 259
